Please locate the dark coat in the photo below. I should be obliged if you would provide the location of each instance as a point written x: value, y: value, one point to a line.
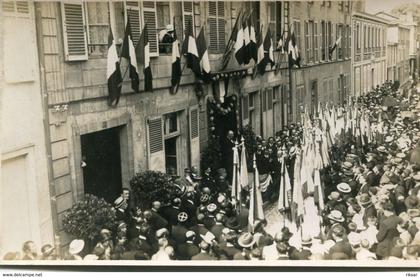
x: 303, y: 254
x: 217, y: 230
x: 341, y: 247
x: 386, y: 233
x: 369, y: 212
x: 187, y: 250
x: 229, y: 251
x: 157, y: 221
x: 178, y: 233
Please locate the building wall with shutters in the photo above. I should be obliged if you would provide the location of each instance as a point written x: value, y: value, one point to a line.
x: 23, y: 155
x: 369, y: 54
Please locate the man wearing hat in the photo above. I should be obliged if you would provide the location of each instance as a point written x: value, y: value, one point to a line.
x: 121, y: 211
x: 208, y: 180
x: 246, y: 241
x: 387, y: 231
x: 199, y: 228
x: 47, y: 252
x: 344, y: 190
x: 171, y: 212
x: 340, y: 243
x: 166, y: 39
x: 209, y: 220
x: 76, y: 246
x: 368, y: 208
x: 185, y: 251
x: 205, y: 248
x: 217, y: 228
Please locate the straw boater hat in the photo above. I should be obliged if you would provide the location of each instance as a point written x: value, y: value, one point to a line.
x: 208, y: 237
x: 344, y: 188
x: 336, y: 215
x: 364, y: 199
x: 382, y: 149
x: 246, y: 240
x: 389, y: 139
x: 76, y: 246
x: 400, y: 155
x: 334, y: 196
x: 307, y: 240
x: 211, y: 207
x: 347, y: 165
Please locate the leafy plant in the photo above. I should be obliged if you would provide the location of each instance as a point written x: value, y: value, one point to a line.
x: 88, y: 217
x: 212, y: 155
x: 149, y: 186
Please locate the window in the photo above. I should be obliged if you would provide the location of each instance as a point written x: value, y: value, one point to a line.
x: 274, y: 12
x: 98, y: 27
x: 309, y: 41
x: 343, y: 41
x: 324, y: 49
x: 340, y: 5
x: 365, y: 38
x: 245, y: 106
x: 217, y: 26
x: 329, y: 4
x: 348, y: 41
x: 150, y: 18
x: 171, y: 124
x: 163, y: 15
x: 358, y: 37
x: 329, y: 39
x: 188, y: 16
x: 75, y: 41
x: 347, y: 5
x: 20, y: 8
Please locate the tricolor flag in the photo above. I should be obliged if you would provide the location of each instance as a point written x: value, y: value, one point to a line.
x: 247, y: 41
x: 240, y: 43
x: 189, y: 50
x: 256, y: 212
x: 334, y: 47
x: 293, y: 50
x: 113, y: 72
x: 203, y: 56
x: 253, y: 47
x: 235, y: 194
x: 285, y: 193
x: 244, y: 167
x: 129, y: 53
x: 176, y: 64
x: 144, y: 54
x: 280, y: 43
x: 231, y: 42
x: 260, y: 54
x: 267, y: 49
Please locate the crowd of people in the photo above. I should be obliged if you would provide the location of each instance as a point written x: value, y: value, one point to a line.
x: 372, y: 201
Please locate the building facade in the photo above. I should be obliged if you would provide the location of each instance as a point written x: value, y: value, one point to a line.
x: 368, y: 52
x: 25, y: 201
x: 398, y: 49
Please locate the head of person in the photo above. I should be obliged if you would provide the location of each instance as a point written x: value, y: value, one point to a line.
x: 125, y: 194
x: 29, y: 247
x: 230, y: 134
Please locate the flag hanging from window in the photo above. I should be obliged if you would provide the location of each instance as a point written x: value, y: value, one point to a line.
x: 189, y: 50
x: 129, y: 53
x: 293, y: 50
x: 203, y: 56
x: 176, y: 64
x: 265, y: 52
x: 144, y: 54
x: 239, y: 43
x: 247, y: 41
x: 231, y: 42
x: 113, y: 72
x: 336, y: 43
x: 253, y: 47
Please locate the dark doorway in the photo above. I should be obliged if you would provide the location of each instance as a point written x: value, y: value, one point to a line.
x: 101, y: 157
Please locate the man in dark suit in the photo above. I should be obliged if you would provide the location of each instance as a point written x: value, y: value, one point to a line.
x: 187, y: 250
x: 227, y: 146
x: 121, y: 211
x: 179, y: 231
x: 218, y: 226
x: 204, y: 253
x: 387, y: 231
x: 304, y: 253
x: 171, y: 212
x: 228, y: 249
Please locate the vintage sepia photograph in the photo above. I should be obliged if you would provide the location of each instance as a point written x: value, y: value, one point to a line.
x: 250, y: 133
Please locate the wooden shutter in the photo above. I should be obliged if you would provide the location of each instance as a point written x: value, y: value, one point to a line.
x: 149, y: 15
x: 188, y: 15
x: 194, y: 119
x: 221, y: 25
x: 74, y: 31
x: 213, y: 46
x: 156, y: 149
x: 133, y: 12
x: 16, y: 7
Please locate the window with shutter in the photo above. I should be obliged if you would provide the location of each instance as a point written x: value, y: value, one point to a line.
x: 133, y: 12
x: 75, y: 41
x: 216, y: 22
x: 149, y: 15
x: 98, y: 27
x: 18, y: 8
x: 188, y: 16
x: 155, y: 144
x: 270, y: 99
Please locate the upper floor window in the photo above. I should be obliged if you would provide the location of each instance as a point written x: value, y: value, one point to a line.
x: 274, y: 12
x: 97, y: 14
x: 216, y: 20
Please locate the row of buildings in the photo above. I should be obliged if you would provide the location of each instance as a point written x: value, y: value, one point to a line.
x: 58, y: 134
